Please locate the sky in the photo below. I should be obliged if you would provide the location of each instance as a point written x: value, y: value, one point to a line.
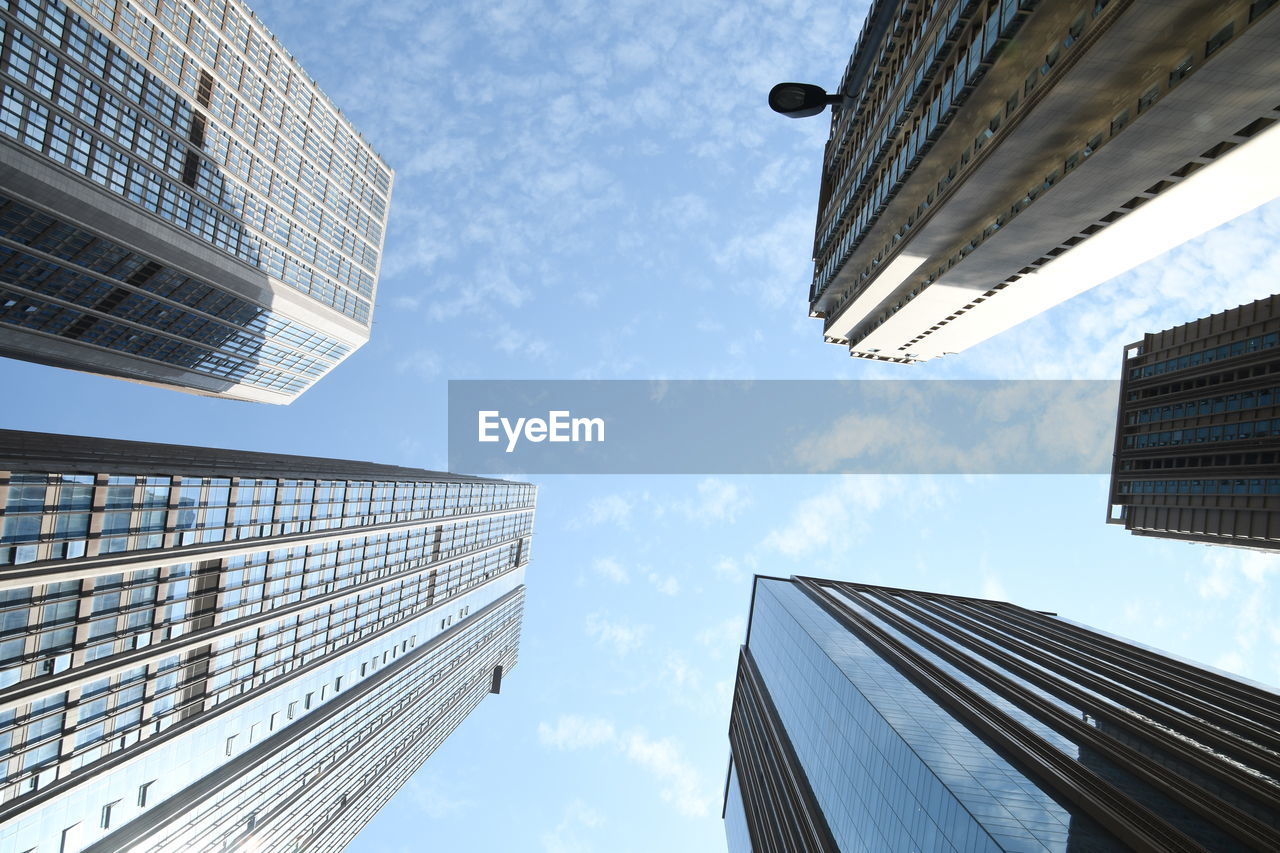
x: 589, y: 190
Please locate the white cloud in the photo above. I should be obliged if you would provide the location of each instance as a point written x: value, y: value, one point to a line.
x: 621, y: 637
x: 679, y: 781
x: 993, y: 586
x: 734, y: 570
x: 773, y: 262
x: 494, y: 288
x: 574, y: 732
x: 959, y: 427
x: 610, y: 568
x: 1244, y: 583
x: 1230, y: 661
x: 724, y: 638
x: 1220, y: 580
x: 717, y: 501
x: 421, y: 362
x: 679, y: 675
x: 565, y: 837
x: 686, y: 210
x: 440, y: 154
x: 665, y: 584
x: 436, y: 801
x: 839, y: 514
x: 611, y: 509
x: 520, y: 343
x: 1257, y: 567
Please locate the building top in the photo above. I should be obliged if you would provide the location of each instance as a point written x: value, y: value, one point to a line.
x: 870, y: 717
x: 956, y: 200
x: 297, y: 66
x: 1232, y: 319
x: 44, y: 452
x: 243, y: 30
x: 313, y: 192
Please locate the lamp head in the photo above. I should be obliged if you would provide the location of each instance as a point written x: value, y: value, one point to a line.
x: 800, y: 100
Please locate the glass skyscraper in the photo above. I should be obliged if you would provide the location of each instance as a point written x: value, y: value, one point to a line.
x: 206, y: 649
x: 880, y: 719
x: 1197, y: 454
x: 179, y: 203
x: 993, y: 158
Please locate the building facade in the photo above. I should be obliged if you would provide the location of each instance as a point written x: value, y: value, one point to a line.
x: 1197, y: 454
x: 994, y: 158
x: 206, y: 649
x: 880, y: 719
x: 179, y: 203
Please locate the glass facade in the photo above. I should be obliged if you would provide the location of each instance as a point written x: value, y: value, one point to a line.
x: 69, y: 282
x: 926, y: 722
x: 173, y: 621
x: 193, y: 114
x: 735, y: 819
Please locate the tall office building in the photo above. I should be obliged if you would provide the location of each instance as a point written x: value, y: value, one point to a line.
x: 1198, y: 431
x: 996, y: 157
x: 179, y: 203
x: 879, y: 719
x: 207, y: 650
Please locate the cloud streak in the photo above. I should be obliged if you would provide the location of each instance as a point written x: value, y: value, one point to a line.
x: 678, y: 780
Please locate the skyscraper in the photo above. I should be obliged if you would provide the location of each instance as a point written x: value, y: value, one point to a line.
x: 206, y: 649
x: 994, y: 158
x: 1198, y: 432
x: 881, y: 719
x: 179, y: 203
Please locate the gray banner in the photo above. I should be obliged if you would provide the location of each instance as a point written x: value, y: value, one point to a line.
x: 515, y: 427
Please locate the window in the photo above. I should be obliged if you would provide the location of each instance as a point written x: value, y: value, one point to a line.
x: 106, y: 813
x: 70, y: 839
x: 1073, y: 35
x: 231, y: 744
x: 1180, y: 71
x: 1148, y: 98
x: 1220, y: 38
x: 1051, y: 59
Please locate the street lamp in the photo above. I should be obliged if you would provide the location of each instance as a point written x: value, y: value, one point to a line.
x: 801, y: 100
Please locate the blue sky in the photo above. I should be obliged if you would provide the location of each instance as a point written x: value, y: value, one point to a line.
x: 599, y: 191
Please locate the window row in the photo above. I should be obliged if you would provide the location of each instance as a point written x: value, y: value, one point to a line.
x: 1254, y: 486
x: 1208, y: 356
x: 1199, y: 435
x: 30, y: 227
x: 46, y: 279
x: 30, y: 122
x: 1244, y: 400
